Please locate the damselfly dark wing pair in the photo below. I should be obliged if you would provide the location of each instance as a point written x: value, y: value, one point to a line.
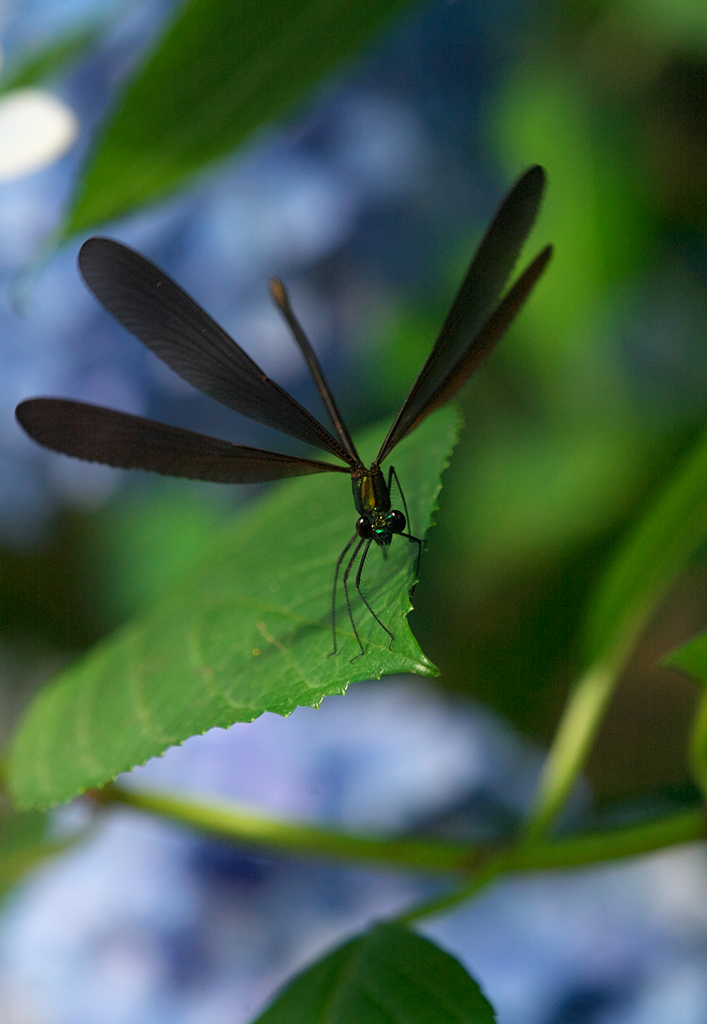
x: 165, y: 319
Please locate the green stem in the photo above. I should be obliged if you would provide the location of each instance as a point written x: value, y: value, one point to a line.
x: 439, y: 905
x: 243, y: 825
x: 645, y: 567
x: 236, y: 824
x: 573, y: 852
x: 612, y: 844
x: 571, y: 745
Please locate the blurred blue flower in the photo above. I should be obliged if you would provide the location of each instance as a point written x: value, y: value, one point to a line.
x: 148, y: 923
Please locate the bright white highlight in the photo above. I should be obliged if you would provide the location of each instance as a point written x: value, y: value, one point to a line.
x: 36, y: 129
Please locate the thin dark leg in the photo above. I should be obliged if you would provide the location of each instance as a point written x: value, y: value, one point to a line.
x: 410, y: 537
x: 419, y: 556
x: 347, y: 572
x: 333, y: 591
x: 391, y: 474
x: 363, y: 598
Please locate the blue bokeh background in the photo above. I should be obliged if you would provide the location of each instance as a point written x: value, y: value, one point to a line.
x: 367, y: 202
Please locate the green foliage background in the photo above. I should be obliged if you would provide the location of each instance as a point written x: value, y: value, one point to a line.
x: 580, y: 454
x: 565, y: 443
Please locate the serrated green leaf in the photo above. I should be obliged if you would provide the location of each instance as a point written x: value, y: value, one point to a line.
x: 248, y: 631
x: 390, y: 975
x: 649, y: 561
x: 222, y: 71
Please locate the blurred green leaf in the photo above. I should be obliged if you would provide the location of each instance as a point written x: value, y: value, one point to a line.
x: 23, y: 845
x: 388, y: 976
x: 648, y: 562
x: 248, y: 631
x: 594, y: 218
x: 535, y: 493
x: 37, y: 65
x: 668, y: 24
x: 691, y: 658
x: 222, y: 71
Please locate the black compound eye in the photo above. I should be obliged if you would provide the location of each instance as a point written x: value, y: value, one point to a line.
x: 396, y: 521
x: 364, y: 527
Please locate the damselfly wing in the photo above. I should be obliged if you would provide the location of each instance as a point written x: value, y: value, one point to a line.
x: 173, y: 326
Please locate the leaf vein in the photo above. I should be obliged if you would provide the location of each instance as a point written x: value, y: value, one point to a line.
x: 136, y: 693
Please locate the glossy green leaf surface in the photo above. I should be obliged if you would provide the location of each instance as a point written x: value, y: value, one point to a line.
x: 221, y: 71
x: 388, y: 976
x: 247, y: 631
x: 670, y: 532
